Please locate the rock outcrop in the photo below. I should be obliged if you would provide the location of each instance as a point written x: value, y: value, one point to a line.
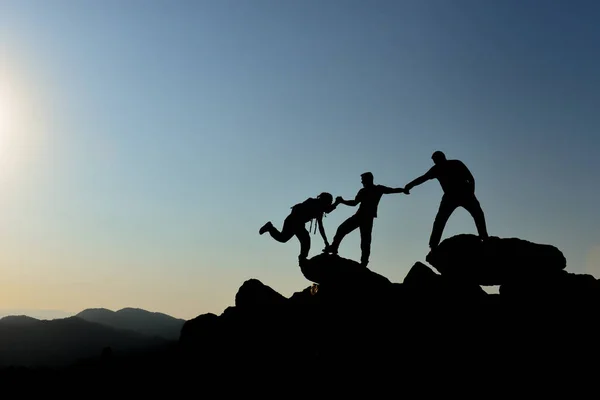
x: 359, y: 323
x: 354, y: 330
x: 495, y: 261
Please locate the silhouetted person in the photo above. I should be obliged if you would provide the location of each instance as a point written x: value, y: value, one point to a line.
x: 458, y: 185
x: 368, y: 197
x: 294, y: 224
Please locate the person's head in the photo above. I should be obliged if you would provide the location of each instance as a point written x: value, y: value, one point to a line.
x: 438, y: 157
x: 326, y: 199
x: 366, y: 179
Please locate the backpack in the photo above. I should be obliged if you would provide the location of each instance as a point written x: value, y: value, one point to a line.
x: 305, y: 209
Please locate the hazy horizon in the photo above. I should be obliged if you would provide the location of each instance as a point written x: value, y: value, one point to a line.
x: 46, y: 314
x: 143, y: 144
x: 38, y: 314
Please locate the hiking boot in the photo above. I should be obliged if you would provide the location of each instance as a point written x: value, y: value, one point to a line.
x: 265, y: 228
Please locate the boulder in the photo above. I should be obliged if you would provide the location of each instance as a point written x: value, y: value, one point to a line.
x: 495, y: 261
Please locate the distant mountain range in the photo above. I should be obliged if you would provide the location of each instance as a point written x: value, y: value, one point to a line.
x: 27, y: 341
x: 137, y: 320
x: 36, y: 313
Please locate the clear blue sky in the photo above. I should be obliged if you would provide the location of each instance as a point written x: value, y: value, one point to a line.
x: 143, y: 143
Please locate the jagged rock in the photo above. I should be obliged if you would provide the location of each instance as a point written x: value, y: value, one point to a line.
x: 353, y: 320
x: 564, y: 288
x: 421, y: 275
x: 255, y: 294
x: 199, y: 329
x: 496, y: 261
x: 422, y: 282
x: 330, y: 269
x: 305, y: 297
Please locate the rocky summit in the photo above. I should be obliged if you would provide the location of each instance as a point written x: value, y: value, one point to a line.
x: 439, y: 320
x: 352, y: 329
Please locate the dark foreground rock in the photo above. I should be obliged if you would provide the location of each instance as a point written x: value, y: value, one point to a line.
x: 495, y: 261
x: 333, y: 270
x: 354, y: 330
x: 359, y: 324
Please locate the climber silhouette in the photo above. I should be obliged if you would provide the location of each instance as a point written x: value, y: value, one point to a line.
x: 458, y: 185
x: 294, y: 224
x: 368, y: 197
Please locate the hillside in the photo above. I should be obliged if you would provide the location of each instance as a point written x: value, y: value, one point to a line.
x: 26, y: 341
x: 354, y: 329
x: 137, y: 320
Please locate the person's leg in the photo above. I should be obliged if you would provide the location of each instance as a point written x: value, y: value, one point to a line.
x: 473, y: 206
x: 366, y: 230
x: 345, y: 228
x: 447, y: 207
x: 304, y: 238
x: 286, y: 233
x: 265, y: 228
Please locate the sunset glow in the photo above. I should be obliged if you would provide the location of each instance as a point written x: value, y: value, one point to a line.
x: 5, y: 112
x: 13, y: 127
x: 142, y: 146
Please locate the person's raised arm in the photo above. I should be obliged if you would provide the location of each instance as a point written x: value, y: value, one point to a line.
x: 351, y: 203
x: 421, y: 179
x: 389, y: 190
x: 331, y: 207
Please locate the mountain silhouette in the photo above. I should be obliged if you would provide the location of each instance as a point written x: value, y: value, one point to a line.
x: 26, y: 341
x: 36, y: 313
x: 136, y: 319
x: 353, y: 329
x: 439, y: 323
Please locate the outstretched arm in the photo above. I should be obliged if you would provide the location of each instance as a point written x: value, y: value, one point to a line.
x: 389, y: 190
x: 351, y: 203
x: 423, y: 178
x: 331, y: 207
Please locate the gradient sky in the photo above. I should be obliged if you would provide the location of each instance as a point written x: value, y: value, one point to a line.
x: 144, y: 143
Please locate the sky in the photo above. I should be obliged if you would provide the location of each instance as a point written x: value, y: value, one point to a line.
x: 144, y: 143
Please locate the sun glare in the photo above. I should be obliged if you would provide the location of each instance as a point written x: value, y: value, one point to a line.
x: 5, y: 123
x: 15, y: 128
x: 4, y: 112
x: 6, y: 119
